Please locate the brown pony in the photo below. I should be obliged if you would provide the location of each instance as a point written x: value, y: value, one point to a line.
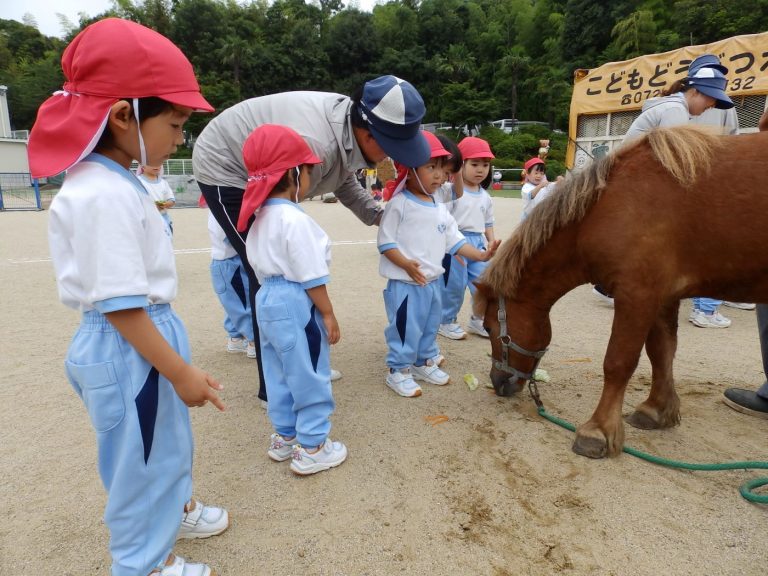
x: 679, y: 213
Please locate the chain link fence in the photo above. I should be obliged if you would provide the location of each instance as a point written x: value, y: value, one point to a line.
x: 19, y: 191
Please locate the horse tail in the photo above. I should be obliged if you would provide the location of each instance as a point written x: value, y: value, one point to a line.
x: 685, y: 151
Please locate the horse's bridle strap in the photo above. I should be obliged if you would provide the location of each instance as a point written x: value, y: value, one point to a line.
x: 507, y: 343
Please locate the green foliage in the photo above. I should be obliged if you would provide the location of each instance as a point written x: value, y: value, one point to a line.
x: 472, y: 60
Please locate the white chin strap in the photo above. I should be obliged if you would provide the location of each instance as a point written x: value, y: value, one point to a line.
x: 142, y: 148
x: 420, y: 184
x: 298, y: 185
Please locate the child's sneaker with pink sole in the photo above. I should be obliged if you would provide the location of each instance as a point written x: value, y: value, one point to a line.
x: 330, y: 455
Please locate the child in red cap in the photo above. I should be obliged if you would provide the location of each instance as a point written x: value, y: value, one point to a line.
x: 536, y: 187
x: 112, y: 253
x: 290, y: 255
x: 473, y: 211
x: 414, y: 234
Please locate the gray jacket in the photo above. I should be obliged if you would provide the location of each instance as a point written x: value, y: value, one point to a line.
x: 321, y: 118
x: 661, y: 112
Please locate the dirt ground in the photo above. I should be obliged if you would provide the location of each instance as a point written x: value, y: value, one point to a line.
x: 492, y: 490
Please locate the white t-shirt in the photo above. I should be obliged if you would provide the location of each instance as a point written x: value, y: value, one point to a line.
x: 221, y: 248
x: 445, y: 194
x: 423, y: 231
x: 110, y: 247
x: 285, y: 241
x: 530, y: 203
x: 159, y: 190
x: 473, y: 211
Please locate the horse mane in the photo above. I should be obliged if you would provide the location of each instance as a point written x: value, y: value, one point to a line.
x: 684, y: 152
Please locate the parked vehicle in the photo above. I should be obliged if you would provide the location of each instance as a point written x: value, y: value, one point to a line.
x: 511, y: 124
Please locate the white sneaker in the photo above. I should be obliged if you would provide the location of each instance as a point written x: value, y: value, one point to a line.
x: 180, y: 567
x: 437, y: 359
x: 692, y: 314
x: 331, y: 454
x: 715, y: 320
x: 237, y: 345
x: 335, y: 375
x: 475, y: 326
x: 280, y: 449
x: 452, y: 331
x: 430, y: 373
x: 263, y: 404
x: 403, y: 384
x: 739, y: 305
x: 250, y: 350
x: 203, y: 522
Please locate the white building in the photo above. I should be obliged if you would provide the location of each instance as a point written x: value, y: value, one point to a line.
x: 13, y: 145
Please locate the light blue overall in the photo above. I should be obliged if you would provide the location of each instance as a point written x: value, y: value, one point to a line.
x: 413, y: 313
x: 230, y: 282
x: 296, y: 358
x: 144, y: 437
x: 460, y: 273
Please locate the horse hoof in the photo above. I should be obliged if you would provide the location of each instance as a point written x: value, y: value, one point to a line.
x: 642, y: 421
x: 590, y: 447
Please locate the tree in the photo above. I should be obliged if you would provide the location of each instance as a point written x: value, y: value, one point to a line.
x: 462, y: 104
x: 634, y: 36
x: 351, y: 38
x: 586, y: 34
x: 513, y: 66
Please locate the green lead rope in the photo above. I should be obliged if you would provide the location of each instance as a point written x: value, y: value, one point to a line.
x: 746, y: 490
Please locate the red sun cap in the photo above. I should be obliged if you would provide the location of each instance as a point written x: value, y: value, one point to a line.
x: 268, y: 152
x: 532, y: 162
x: 109, y: 60
x: 473, y: 147
x: 436, y: 149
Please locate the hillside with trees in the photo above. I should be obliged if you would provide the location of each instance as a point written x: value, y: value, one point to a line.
x: 473, y: 61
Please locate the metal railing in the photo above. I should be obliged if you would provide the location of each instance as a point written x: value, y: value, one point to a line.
x: 19, y: 191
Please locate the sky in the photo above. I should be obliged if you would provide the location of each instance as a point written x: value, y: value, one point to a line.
x: 44, y: 11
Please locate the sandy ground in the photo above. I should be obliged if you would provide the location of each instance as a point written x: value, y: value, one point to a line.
x: 493, y: 490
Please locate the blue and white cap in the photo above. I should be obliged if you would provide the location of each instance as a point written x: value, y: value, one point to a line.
x: 706, y: 61
x: 711, y: 82
x: 393, y: 109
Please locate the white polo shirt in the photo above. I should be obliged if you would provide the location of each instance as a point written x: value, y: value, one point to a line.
x: 110, y: 247
x: 221, y: 247
x: 421, y: 230
x: 285, y: 241
x: 473, y: 211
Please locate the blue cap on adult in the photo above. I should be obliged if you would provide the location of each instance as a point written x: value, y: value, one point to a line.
x: 712, y: 83
x: 393, y: 109
x: 706, y: 61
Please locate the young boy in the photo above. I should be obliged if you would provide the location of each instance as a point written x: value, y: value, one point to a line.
x: 112, y: 253
x: 290, y: 254
x: 414, y: 235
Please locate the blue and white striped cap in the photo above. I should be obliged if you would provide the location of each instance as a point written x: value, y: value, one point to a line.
x: 393, y: 109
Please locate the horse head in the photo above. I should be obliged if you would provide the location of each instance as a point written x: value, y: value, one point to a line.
x: 519, y: 335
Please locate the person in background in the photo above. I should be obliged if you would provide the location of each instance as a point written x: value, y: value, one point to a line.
x: 151, y: 177
x: 230, y: 282
x: 536, y: 187
x: 754, y: 403
x: 473, y: 212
